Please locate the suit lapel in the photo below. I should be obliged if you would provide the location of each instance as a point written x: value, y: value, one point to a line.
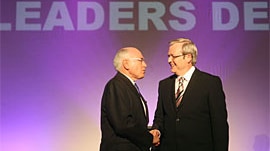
x: 171, y: 86
x: 132, y: 87
x: 190, y: 87
x: 146, y: 107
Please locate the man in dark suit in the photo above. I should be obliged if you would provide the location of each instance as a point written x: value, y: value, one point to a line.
x: 193, y: 118
x: 124, y: 113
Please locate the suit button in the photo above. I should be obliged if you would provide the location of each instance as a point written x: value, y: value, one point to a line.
x: 178, y: 119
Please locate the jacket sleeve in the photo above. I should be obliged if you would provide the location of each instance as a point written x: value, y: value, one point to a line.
x: 218, y: 115
x: 158, y: 118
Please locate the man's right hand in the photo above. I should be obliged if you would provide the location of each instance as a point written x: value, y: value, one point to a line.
x: 156, y: 136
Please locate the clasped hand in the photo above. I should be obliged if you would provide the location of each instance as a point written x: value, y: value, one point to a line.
x: 156, y: 136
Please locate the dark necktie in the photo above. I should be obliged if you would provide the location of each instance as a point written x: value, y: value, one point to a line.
x: 136, y: 86
x: 142, y: 99
x: 179, y: 92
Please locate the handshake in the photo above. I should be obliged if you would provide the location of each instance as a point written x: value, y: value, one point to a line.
x: 156, y: 136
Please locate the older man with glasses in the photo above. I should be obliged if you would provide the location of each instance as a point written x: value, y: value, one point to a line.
x: 124, y: 112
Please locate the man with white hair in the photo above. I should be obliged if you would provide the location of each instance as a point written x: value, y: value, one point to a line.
x: 124, y: 113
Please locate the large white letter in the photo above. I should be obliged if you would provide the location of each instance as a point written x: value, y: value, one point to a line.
x: 250, y: 15
x: 145, y: 15
x: 5, y: 27
x: 190, y: 20
x: 115, y: 15
x: 22, y: 15
x: 53, y: 19
x: 98, y: 15
x: 233, y: 17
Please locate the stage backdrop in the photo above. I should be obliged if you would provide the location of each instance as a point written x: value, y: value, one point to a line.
x: 56, y: 57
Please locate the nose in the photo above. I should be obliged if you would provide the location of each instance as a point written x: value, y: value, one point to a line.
x: 169, y: 59
x: 144, y: 63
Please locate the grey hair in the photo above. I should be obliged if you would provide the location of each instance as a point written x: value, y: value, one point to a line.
x: 119, y: 57
x: 188, y: 48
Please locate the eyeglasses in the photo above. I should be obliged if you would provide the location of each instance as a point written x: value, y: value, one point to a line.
x: 175, y: 56
x: 138, y: 59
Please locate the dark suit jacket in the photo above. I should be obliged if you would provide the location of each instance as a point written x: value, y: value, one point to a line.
x: 123, y: 120
x: 200, y: 121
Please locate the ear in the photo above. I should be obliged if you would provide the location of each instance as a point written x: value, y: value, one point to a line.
x: 189, y: 58
x: 125, y: 64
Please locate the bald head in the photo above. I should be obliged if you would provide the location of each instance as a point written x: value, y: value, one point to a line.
x: 130, y: 61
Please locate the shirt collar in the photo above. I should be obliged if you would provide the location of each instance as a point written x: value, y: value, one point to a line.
x: 188, y: 75
x: 133, y: 82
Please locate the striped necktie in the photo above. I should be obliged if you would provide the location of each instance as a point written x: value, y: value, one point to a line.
x: 179, y: 92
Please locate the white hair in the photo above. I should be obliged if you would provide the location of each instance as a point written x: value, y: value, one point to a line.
x: 119, y: 57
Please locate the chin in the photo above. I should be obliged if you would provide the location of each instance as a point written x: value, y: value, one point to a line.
x: 141, y: 77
